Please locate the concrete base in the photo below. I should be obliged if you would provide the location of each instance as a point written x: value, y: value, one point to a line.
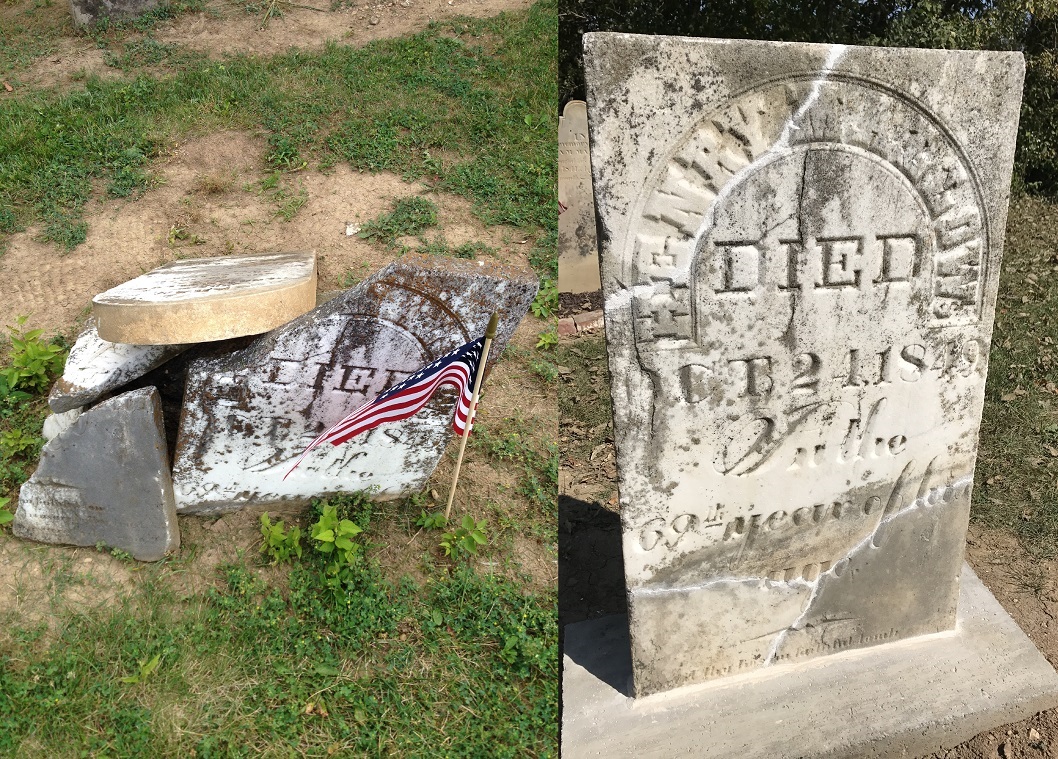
x: 897, y: 700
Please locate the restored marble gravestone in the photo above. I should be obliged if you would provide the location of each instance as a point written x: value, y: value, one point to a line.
x: 249, y: 415
x: 800, y: 254
x: 578, y: 249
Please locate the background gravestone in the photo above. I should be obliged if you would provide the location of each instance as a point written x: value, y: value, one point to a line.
x: 248, y: 416
x: 801, y: 249
x: 578, y: 250
x: 88, y: 12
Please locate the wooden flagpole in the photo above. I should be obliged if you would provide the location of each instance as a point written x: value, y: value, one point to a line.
x: 490, y: 332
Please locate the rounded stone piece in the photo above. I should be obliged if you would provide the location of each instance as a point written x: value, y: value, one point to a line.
x: 202, y: 299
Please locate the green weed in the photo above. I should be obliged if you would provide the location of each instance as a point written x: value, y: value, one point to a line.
x: 351, y: 278
x: 16, y: 441
x: 279, y: 544
x: 464, y: 539
x: 548, y: 339
x: 513, y: 443
x: 545, y: 304
x: 334, y: 538
x: 33, y: 362
x: 409, y: 217
x: 544, y: 369
x: 145, y: 670
x: 439, y: 246
x: 544, y: 255
x: 434, y: 521
x: 289, y: 204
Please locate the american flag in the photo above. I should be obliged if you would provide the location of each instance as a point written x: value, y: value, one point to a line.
x: 456, y: 369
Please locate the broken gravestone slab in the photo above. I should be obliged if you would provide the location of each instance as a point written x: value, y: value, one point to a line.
x: 105, y: 479
x: 248, y: 416
x: 203, y: 299
x: 96, y: 366
x: 578, y: 249
x: 800, y: 263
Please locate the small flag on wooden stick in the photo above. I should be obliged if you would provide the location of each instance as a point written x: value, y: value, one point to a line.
x: 490, y: 332
x: 459, y: 369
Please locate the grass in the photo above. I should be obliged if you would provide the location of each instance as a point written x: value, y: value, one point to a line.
x: 1016, y: 483
x: 535, y: 458
x: 480, y: 92
x: 465, y: 666
x: 439, y: 246
x: 410, y: 216
x: 33, y: 31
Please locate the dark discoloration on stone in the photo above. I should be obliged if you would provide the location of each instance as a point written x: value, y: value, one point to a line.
x: 105, y: 480
x: 799, y: 267
x: 247, y: 416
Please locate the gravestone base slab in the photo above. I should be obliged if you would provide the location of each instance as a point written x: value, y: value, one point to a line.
x: 901, y: 699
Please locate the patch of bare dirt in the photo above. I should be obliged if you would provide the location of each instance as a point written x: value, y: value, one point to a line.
x: 209, y: 203
x: 73, y: 60
x: 41, y: 585
x: 227, y: 27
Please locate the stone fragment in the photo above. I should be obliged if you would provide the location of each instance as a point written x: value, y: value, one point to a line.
x: 105, y: 480
x: 56, y: 424
x: 248, y: 416
x: 589, y: 321
x: 96, y: 366
x: 88, y: 12
x: 578, y: 249
x: 203, y: 299
x: 800, y: 263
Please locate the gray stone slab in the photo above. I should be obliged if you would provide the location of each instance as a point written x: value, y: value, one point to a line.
x: 96, y: 366
x: 800, y: 263
x: 105, y: 479
x: 88, y: 12
x: 56, y: 424
x: 578, y: 248
x: 248, y: 416
x: 901, y: 699
x: 204, y: 299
